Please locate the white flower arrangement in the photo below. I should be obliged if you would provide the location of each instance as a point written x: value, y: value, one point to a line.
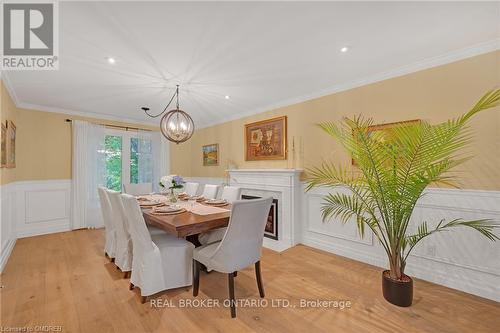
x: 172, y: 182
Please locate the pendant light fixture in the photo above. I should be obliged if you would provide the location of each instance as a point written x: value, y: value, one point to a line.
x: 176, y: 125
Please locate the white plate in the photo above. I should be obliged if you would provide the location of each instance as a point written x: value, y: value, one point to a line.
x: 167, y: 209
x: 215, y: 202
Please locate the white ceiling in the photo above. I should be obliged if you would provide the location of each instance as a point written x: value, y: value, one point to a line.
x: 263, y: 55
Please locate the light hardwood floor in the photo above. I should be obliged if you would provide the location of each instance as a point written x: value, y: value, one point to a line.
x: 64, y: 279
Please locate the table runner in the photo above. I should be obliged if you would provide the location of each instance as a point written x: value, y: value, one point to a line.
x: 195, y: 208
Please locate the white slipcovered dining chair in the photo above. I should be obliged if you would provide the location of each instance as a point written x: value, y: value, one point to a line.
x: 160, y: 262
x: 230, y: 194
x: 123, y: 256
x: 240, y: 247
x: 191, y: 188
x: 138, y: 189
x: 210, y: 191
x: 109, y: 229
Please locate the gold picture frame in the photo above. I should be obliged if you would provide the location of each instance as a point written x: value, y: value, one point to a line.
x: 3, y: 145
x: 386, y: 126
x: 266, y: 140
x: 210, y: 154
x: 11, y: 145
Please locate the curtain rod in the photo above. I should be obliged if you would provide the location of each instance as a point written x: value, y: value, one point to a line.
x: 126, y: 128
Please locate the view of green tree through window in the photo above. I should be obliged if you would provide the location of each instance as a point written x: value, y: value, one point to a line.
x: 141, y: 161
x: 134, y: 160
x: 113, y: 148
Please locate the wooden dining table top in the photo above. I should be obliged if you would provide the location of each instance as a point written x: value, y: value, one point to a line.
x: 187, y: 223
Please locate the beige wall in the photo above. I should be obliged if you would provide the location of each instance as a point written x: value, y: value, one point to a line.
x: 435, y: 94
x: 43, y: 142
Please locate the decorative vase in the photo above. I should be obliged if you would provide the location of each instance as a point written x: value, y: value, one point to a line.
x: 399, y: 293
x: 173, y: 195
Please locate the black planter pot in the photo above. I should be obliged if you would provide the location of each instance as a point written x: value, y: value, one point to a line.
x: 399, y: 293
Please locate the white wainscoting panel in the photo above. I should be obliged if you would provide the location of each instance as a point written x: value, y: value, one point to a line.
x: 461, y: 259
x: 43, y: 207
x: 7, y: 222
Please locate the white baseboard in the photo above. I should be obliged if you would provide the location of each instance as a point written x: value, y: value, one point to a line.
x: 6, y: 251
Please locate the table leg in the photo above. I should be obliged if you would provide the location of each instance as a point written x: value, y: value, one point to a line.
x: 196, y: 242
x: 193, y: 239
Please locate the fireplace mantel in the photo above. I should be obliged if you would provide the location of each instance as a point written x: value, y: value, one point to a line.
x: 282, y: 184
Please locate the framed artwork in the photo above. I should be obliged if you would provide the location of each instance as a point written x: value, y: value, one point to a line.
x: 3, y: 146
x: 11, y: 145
x: 384, y: 127
x: 266, y: 140
x: 210, y: 154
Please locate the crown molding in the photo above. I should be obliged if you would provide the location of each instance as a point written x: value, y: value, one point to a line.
x: 86, y: 114
x: 10, y: 89
x: 450, y: 57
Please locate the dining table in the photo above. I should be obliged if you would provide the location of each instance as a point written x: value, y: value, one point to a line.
x: 196, y: 218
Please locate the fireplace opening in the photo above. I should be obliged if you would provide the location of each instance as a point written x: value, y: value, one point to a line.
x: 271, y: 230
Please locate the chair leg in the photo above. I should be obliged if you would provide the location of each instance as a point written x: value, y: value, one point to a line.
x: 143, y: 299
x: 196, y: 277
x: 131, y: 286
x: 231, y: 294
x: 259, y: 279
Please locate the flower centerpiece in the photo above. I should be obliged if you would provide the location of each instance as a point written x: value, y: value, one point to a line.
x: 172, y: 182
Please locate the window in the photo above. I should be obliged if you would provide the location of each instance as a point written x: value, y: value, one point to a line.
x: 141, y: 161
x: 113, y: 151
x: 129, y: 159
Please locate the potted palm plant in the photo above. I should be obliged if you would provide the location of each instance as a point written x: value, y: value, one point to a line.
x: 393, y: 168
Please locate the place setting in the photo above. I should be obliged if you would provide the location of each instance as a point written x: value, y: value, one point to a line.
x: 146, y: 203
x: 167, y: 210
x: 215, y: 202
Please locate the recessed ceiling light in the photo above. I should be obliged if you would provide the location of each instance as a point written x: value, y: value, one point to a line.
x: 344, y: 49
x: 227, y: 97
x: 111, y: 60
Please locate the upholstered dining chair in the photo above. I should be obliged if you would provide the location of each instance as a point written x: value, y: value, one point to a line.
x: 123, y: 256
x: 160, y: 262
x: 191, y: 188
x: 210, y: 191
x: 138, y: 189
x: 240, y: 247
x: 230, y: 194
x: 109, y: 229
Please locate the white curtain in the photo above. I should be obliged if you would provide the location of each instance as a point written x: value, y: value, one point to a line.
x: 89, y: 172
x: 153, y: 154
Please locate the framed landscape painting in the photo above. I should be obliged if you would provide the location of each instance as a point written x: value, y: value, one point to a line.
x: 211, y: 154
x: 11, y: 145
x: 388, y: 126
x: 266, y: 140
x: 3, y: 149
